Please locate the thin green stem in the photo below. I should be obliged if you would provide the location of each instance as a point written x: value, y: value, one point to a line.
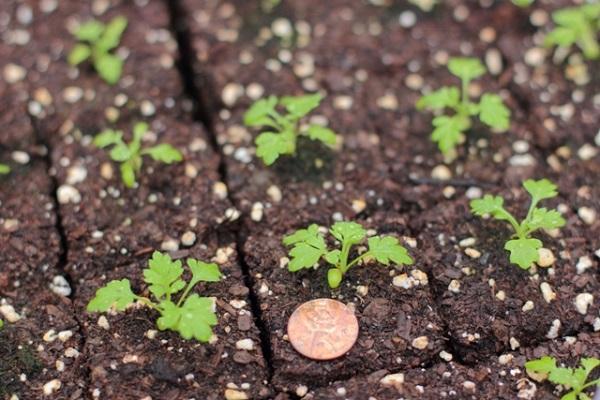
x: 592, y: 383
x: 147, y: 302
x: 513, y: 222
x: 357, y: 259
x: 189, y: 287
x: 343, y: 263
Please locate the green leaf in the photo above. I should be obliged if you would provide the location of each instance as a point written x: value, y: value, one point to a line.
x: 561, y: 36
x: 89, y: 31
x: 541, y: 365
x: 192, y: 320
x: 108, y: 137
x: 348, y: 232
x: 523, y: 3
x: 4, y: 169
x: 493, y: 112
x: 128, y: 174
x: 387, y: 248
x: 309, y: 247
x: 109, y: 67
x: 112, y: 34
x: 572, y: 17
x: 302, y: 235
x: 139, y: 129
x: 325, y: 135
x: 466, y: 68
x: 116, y: 294
x: 591, y: 11
x: 523, y: 252
x: 258, y: 114
x: 541, y: 189
x: 79, y: 54
x: 440, y: 99
x: 333, y: 257
x: 448, y: 131
x: 270, y: 145
x: 299, y: 106
x: 164, y: 153
x: 492, y: 205
x: 563, y: 376
x: 334, y: 277
x: 542, y: 218
x: 203, y: 272
x: 163, y: 275
x: 120, y: 152
x: 589, y: 364
x: 1, y: 324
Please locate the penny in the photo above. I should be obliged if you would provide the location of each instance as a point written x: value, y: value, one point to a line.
x: 322, y: 329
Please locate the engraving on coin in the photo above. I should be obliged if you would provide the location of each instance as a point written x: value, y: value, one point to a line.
x: 322, y: 329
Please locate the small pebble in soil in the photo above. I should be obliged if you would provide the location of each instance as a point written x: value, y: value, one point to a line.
x: 188, y: 239
x: 388, y: 102
x: 358, y: 205
x: 274, y: 193
x: 232, y: 394
x: 493, y: 60
x: 60, y: 286
x: 441, y: 172
x: 546, y: 257
x: 553, y: 331
x: 245, y: 344
x: 587, y: 152
x: 103, y: 323
x: 220, y: 190
x: 501, y: 295
x: 13, y: 73
x: 169, y: 245
x: 587, y: 215
x: 257, y: 212
x: 505, y: 359
x: 528, y: 306
x: 444, y: 355
x: 20, y: 157
x: 9, y: 313
x: 583, y: 301
x: 301, y: 390
x: 473, y: 253
x: 469, y: 385
x: 68, y: 194
x: 514, y: 343
x: 395, y: 380
x: 420, y: 342
x: 454, y: 286
x: 51, y: 387
x: 467, y: 242
x: 547, y: 292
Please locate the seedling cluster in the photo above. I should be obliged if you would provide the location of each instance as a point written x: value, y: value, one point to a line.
x: 449, y: 130
x: 130, y: 155
x: 573, y: 379
x: 284, y: 128
x: 577, y: 26
x: 97, y: 40
x: 523, y: 248
x: 309, y: 246
x: 190, y: 315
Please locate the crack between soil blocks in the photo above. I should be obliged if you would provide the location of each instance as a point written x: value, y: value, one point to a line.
x: 203, y: 113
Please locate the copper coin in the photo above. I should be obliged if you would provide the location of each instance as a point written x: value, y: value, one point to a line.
x: 322, y: 329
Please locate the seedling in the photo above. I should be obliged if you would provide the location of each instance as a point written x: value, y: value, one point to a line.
x: 4, y: 169
x: 523, y: 248
x: 449, y: 130
x: 574, y: 379
x: 191, y: 315
x: 523, y: 3
x: 96, y: 42
x: 309, y: 247
x: 130, y: 154
x: 284, y: 129
x: 579, y: 26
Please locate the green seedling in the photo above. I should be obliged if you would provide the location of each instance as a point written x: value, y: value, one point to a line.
x: 309, y: 246
x: 284, y: 128
x: 1, y: 324
x: 190, y: 315
x: 4, y: 169
x: 577, y: 26
x: 130, y: 155
x: 424, y: 5
x: 523, y: 3
x: 523, y: 248
x: 96, y: 42
x: 449, y: 130
x: 573, y: 379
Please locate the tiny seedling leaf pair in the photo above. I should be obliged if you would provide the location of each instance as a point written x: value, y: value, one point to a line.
x: 573, y: 379
x: 130, y: 154
x: 97, y: 40
x: 449, y: 130
x: 577, y: 26
x: 523, y: 248
x: 309, y: 246
x: 283, y: 129
x: 191, y: 316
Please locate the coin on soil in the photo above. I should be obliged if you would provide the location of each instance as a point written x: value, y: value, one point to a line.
x: 322, y: 329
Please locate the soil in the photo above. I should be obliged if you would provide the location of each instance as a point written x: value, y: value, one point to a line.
x: 192, y: 68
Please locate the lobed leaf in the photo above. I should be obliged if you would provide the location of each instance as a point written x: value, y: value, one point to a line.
x: 299, y: 106
x: 493, y: 112
x: 561, y: 36
x: 448, y: 131
x: 108, y: 137
x: 163, y: 275
x: 164, y: 153
x: 348, y: 232
x: 193, y: 319
x: 541, y: 365
x: 440, y: 99
x: 321, y: 133
x: 203, y: 272
x: 270, y: 145
x: 540, y: 189
x: 541, y: 218
x: 387, y: 248
x: 523, y: 252
x: 309, y: 247
x: 258, y: 113
x: 116, y: 294
x: 466, y: 68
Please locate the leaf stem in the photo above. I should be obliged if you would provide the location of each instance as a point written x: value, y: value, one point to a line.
x: 189, y: 287
x: 147, y: 302
x: 357, y: 259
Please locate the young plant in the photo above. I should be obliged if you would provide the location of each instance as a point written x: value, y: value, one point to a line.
x: 190, y: 315
x: 130, y: 154
x: 449, y: 130
x: 577, y: 25
x: 523, y: 3
x: 4, y: 169
x: 523, y: 248
x: 283, y: 128
x: 573, y: 379
x: 96, y: 42
x: 309, y: 247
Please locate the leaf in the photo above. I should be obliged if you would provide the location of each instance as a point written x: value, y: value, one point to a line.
x: 523, y: 3
x: 269, y: 145
x: 541, y: 365
x: 309, y: 246
x: 89, y: 31
x: 299, y: 106
x: 192, y: 320
x: 203, y: 272
x: 79, y: 54
x: 127, y: 174
x: 333, y: 257
x: 589, y: 364
x: 302, y: 235
x: 164, y: 153
x: 561, y: 36
x: 4, y: 169
x: 163, y: 275
x: 109, y: 67
x: 348, y: 233
x: 466, y: 68
x: 387, y: 248
x: 120, y: 152
x: 139, y: 129
x: 334, y: 277
x: 523, y: 252
x: 116, y: 294
x: 112, y: 34
x: 323, y: 134
x: 258, y: 114
x: 541, y: 189
x: 440, y: 99
x: 448, y: 131
x: 492, y: 205
x: 542, y: 218
x: 571, y: 17
x: 563, y: 376
x: 493, y: 112
x: 108, y: 137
